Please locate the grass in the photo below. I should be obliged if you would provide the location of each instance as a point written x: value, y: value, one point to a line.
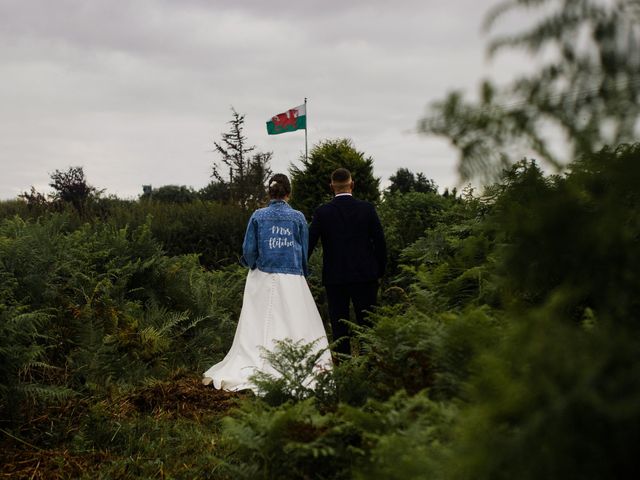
x: 166, y: 429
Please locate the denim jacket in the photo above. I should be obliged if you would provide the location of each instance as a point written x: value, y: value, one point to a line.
x: 276, y: 240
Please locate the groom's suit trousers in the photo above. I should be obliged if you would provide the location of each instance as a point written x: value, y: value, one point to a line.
x: 364, y: 297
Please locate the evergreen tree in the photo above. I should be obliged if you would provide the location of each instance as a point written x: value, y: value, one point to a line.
x: 310, y: 182
x: 248, y: 173
x: 404, y: 181
x: 215, y: 191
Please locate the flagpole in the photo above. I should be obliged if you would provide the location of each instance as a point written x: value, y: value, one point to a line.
x: 306, y: 158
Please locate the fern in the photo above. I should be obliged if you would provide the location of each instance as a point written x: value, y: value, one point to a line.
x: 22, y: 355
x: 300, y: 373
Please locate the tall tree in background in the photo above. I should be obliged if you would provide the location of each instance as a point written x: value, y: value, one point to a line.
x: 257, y: 176
x: 589, y: 91
x: 71, y: 186
x: 310, y: 182
x: 405, y: 181
x: 247, y: 174
x: 171, y: 194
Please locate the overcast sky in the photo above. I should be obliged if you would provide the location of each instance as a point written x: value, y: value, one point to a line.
x: 136, y: 91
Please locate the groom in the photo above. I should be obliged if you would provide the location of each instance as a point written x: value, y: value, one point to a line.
x: 354, y: 254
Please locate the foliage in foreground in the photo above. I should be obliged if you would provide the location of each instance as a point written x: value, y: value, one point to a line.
x: 541, y: 382
x: 89, y: 309
x: 513, y: 352
x: 585, y: 89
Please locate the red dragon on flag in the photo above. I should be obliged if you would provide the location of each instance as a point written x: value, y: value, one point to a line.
x: 286, y: 119
x: 289, y: 121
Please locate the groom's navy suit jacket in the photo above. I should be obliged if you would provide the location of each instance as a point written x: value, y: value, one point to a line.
x: 353, y: 245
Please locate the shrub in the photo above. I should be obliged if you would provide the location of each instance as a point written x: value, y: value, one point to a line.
x: 300, y: 374
x: 96, y: 307
x: 310, y: 182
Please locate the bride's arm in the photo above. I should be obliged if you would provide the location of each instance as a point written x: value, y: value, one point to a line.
x: 250, y: 245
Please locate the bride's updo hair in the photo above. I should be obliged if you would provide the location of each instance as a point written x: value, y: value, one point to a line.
x: 279, y: 186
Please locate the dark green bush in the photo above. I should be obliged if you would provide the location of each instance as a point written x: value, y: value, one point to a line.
x: 310, y: 182
x: 559, y: 396
x: 406, y: 217
x: 211, y: 230
x: 552, y: 401
x: 99, y: 306
x: 399, y: 438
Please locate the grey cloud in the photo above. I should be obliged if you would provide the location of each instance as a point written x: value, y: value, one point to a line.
x: 137, y: 91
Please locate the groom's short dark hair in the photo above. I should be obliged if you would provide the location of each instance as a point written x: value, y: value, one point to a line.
x: 340, y: 176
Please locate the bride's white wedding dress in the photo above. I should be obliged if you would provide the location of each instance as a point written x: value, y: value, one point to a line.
x: 275, y: 306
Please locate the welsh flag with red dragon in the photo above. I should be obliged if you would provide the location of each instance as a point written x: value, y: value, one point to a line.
x: 289, y: 121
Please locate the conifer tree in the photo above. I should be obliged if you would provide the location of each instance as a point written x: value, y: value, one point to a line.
x: 247, y: 174
x: 310, y: 182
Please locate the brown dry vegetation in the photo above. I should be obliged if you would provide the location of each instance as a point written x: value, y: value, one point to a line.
x: 182, y: 397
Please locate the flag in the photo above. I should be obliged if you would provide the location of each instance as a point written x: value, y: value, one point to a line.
x: 289, y: 121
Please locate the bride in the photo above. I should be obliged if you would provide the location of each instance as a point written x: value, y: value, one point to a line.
x: 277, y: 302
